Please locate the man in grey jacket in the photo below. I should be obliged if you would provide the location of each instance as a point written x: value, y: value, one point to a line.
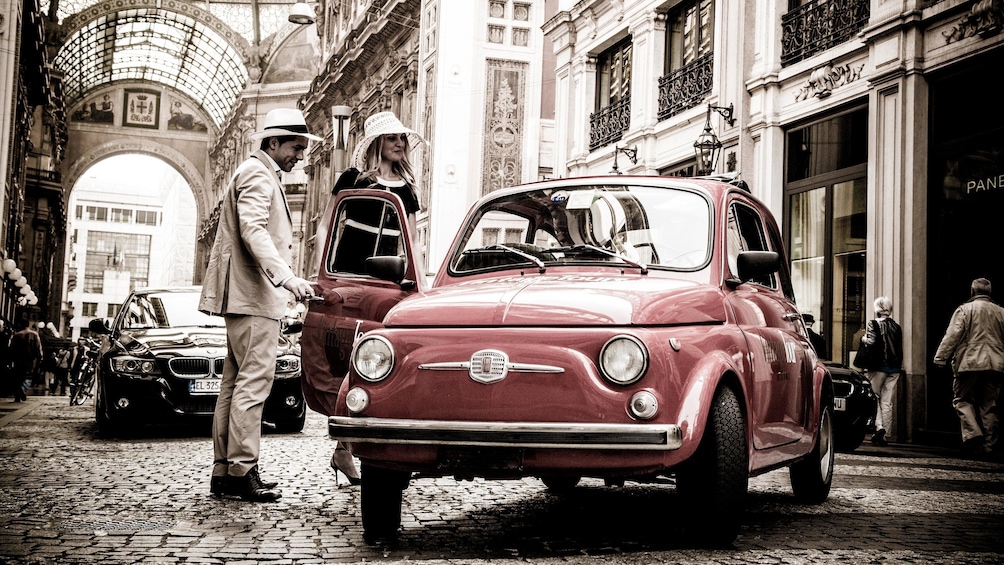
x: 974, y: 344
x: 249, y: 281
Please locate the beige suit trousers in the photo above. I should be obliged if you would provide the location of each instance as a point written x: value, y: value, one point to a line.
x: 248, y: 372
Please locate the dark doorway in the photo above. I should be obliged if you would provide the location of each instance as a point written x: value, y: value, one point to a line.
x: 965, y: 211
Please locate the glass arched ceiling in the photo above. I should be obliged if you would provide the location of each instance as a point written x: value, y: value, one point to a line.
x: 156, y: 46
x: 160, y: 42
x: 272, y: 15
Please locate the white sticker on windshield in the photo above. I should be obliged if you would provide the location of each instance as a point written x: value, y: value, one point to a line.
x: 580, y: 200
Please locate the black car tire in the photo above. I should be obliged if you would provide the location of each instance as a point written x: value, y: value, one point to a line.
x: 560, y: 484
x: 292, y: 426
x: 106, y: 427
x: 812, y: 476
x: 714, y: 483
x: 380, y: 496
x: 850, y: 439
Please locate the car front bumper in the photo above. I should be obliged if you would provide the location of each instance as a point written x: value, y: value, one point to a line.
x: 548, y: 435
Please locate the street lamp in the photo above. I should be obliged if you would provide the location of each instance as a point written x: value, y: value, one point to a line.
x: 708, y: 147
x: 301, y: 13
x: 340, y: 126
x: 629, y: 152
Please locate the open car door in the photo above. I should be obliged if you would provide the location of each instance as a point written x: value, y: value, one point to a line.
x: 368, y: 263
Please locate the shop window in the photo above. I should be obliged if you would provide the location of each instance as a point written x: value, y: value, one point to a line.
x: 825, y: 217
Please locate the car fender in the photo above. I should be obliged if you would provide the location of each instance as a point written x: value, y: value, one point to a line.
x: 705, y: 378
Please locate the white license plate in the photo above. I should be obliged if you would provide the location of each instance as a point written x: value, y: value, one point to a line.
x: 204, y: 386
x: 840, y: 404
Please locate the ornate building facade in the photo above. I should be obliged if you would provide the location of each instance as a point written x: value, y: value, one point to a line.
x: 466, y: 75
x: 868, y: 126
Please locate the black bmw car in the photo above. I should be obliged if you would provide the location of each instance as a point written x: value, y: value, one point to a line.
x: 854, y: 405
x: 161, y: 361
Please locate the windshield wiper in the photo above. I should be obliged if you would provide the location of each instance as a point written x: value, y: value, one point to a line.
x: 638, y: 265
x: 541, y: 268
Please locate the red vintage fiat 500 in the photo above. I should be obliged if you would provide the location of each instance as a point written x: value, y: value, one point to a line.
x: 622, y: 328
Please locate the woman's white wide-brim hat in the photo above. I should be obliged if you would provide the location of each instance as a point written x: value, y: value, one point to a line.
x: 281, y: 122
x: 382, y: 123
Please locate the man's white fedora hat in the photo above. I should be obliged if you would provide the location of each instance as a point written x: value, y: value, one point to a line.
x: 382, y: 123
x: 281, y: 122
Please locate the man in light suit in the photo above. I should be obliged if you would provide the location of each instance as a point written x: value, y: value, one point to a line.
x: 249, y: 281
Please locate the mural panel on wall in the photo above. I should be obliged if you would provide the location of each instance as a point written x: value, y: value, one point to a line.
x: 100, y: 109
x: 184, y: 118
x: 503, y: 147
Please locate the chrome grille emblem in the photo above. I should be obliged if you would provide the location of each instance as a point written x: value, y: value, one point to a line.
x: 489, y: 366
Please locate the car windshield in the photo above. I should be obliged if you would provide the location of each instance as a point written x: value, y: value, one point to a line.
x: 637, y: 226
x: 166, y: 310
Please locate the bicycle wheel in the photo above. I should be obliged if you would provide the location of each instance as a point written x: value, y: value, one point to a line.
x: 85, y: 387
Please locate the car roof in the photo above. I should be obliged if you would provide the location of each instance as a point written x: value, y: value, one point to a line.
x: 715, y: 186
x: 165, y: 289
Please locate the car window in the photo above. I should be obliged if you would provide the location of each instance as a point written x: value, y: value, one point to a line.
x: 166, y: 310
x: 364, y: 228
x: 746, y: 233
x: 655, y: 227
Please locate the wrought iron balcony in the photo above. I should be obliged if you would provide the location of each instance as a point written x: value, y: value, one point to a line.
x: 609, y: 124
x: 686, y: 87
x: 818, y: 26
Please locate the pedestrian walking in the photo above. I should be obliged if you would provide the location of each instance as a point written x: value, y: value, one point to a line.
x: 26, y: 353
x: 974, y: 345
x: 818, y: 342
x: 884, y: 337
x: 381, y: 160
x: 6, y: 375
x: 61, y: 372
x: 249, y: 281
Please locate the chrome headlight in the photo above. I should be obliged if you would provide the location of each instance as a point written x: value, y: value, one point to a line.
x: 134, y: 366
x: 623, y: 359
x: 373, y: 358
x: 287, y: 366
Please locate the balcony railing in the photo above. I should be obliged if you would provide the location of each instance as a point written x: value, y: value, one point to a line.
x: 818, y: 26
x: 685, y: 87
x: 609, y: 124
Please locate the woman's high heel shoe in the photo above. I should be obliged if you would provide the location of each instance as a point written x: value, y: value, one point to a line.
x: 341, y: 461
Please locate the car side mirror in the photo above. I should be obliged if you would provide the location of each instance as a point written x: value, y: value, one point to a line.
x: 753, y: 264
x: 100, y: 326
x: 388, y: 268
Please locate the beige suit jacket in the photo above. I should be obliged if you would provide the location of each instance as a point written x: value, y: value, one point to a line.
x: 254, y: 245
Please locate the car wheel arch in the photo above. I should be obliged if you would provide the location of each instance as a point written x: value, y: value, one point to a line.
x: 694, y: 417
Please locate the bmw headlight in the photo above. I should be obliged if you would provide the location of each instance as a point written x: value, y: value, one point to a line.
x: 373, y: 358
x: 623, y: 359
x: 287, y: 366
x: 128, y: 365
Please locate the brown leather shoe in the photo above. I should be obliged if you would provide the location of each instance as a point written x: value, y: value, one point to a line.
x: 250, y: 488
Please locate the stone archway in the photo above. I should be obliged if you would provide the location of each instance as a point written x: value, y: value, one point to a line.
x: 204, y: 200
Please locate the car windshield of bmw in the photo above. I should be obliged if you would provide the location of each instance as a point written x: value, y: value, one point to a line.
x: 594, y: 224
x: 166, y: 310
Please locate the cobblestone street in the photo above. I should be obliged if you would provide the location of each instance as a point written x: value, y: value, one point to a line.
x: 70, y: 496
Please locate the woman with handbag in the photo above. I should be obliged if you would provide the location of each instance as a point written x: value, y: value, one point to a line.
x: 881, y: 355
